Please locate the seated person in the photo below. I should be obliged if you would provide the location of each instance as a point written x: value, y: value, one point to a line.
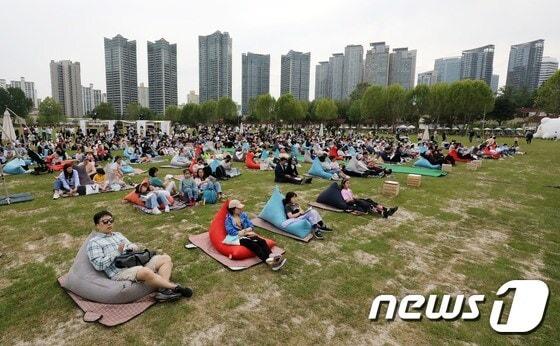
x: 67, y: 182
x: 168, y: 185
x: 188, y: 189
x: 106, y: 245
x: 100, y: 179
x: 291, y: 169
x: 89, y: 163
x: 115, y: 174
x: 358, y: 168
x: 152, y: 197
x: 239, y: 231
x: 282, y: 173
x: 331, y: 167
x: 294, y: 213
x: 360, y: 205
x: 227, y: 165
x: 207, y: 183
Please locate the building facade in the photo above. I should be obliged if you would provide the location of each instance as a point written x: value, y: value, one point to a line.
x: 524, y: 65
x: 402, y: 67
x: 353, y: 68
x: 28, y: 88
x: 478, y: 63
x: 322, y: 85
x: 162, y: 75
x: 66, y: 87
x: 3, y: 84
x: 214, y: 66
x: 549, y: 66
x: 255, y: 78
x: 120, y: 73
x: 143, y: 95
x: 336, y: 72
x: 494, y: 83
x: 192, y: 97
x: 91, y: 98
x: 294, y: 74
x: 426, y: 78
x: 447, y: 70
x: 376, y: 69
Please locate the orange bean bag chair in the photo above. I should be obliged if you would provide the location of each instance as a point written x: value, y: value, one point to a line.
x: 250, y: 161
x: 217, y: 234
x: 191, y: 167
x: 455, y: 155
x: 487, y: 152
x: 333, y: 152
x: 134, y: 198
x: 58, y: 167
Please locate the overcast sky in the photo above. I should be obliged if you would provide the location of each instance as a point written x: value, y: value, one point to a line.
x: 34, y: 32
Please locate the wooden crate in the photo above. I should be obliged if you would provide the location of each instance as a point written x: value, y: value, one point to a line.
x: 390, y: 188
x: 414, y: 180
x: 447, y: 167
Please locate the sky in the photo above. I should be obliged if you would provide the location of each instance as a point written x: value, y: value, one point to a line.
x: 35, y: 32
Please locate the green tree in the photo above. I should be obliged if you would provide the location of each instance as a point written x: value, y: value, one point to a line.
x: 343, y: 107
x: 548, y: 95
x: 355, y: 112
x: 15, y: 99
x: 288, y: 109
x: 104, y: 111
x: 132, y: 111
x: 439, y: 104
x: 264, y: 108
x: 325, y: 110
x: 226, y: 110
x: 4, y: 100
x: 359, y: 91
x: 172, y: 113
x: 208, y: 111
x: 417, y: 102
x: 190, y: 114
x: 395, y: 105
x: 374, y: 104
x: 50, y: 112
x: 504, y: 109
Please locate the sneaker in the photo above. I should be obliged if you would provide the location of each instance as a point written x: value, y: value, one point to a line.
x: 308, y: 180
x: 391, y: 211
x: 156, y: 211
x: 184, y: 291
x: 280, y: 264
x: 166, y: 209
x: 167, y: 296
x: 56, y: 195
x: 318, y: 235
x: 325, y: 228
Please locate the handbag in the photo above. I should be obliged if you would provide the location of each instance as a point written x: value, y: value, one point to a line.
x: 129, y: 258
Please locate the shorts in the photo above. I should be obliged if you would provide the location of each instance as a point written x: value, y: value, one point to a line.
x: 129, y: 274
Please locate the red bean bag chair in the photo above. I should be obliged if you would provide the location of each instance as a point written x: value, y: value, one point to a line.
x: 58, y: 167
x: 455, y: 155
x: 134, y: 198
x: 250, y: 161
x: 487, y: 152
x: 191, y: 167
x: 217, y: 234
x: 333, y: 152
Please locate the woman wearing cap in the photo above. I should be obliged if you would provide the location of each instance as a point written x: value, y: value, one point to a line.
x: 67, y: 182
x: 239, y: 231
x: 152, y: 198
x: 362, y: 205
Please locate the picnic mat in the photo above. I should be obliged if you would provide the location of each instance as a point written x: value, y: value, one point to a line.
x: 415, y: 170
x: 203, y: 242
x: 257, y: 221
x: 16, y: 198
x: 177, y: 205
x: 110, y: 314
x: 136, y: 171
x: 325, y: 207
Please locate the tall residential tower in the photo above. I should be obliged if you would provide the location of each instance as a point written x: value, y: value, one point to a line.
x: 214, y: 66
x: 294, y: 74
x: 524, y: 65
x: 66, y: 87
x: 255, y: 78
x: 162, y: 75
x: 121, y: 73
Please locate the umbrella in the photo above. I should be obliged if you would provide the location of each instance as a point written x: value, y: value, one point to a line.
x: 455, y: 128
x: 487, y: 129
x: 476, y: 128
x: 411, y: 127
x: 509, y: 129
x: 401, y: 127
x: 519, y: 129
x: 426, y: 135
x: 321, y: 130
x: 8, y: 132
x: 497, y: 129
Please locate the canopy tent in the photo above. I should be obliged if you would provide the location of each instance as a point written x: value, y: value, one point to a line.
x: 497, y: 129
x: 476, y: 128
x: 8, y: 132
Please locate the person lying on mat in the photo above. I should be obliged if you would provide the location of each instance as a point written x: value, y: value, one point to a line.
x: 169, y: 185
x: 294, y: 214
x: 67, y: 182
x: 239, y: 231
x: 282, y: 173
x: 189, y: 189
x: 152, y: 197
x: 356, y: 167
x: 208, y: 183
x: 106, y: 245
x: 361, y: 205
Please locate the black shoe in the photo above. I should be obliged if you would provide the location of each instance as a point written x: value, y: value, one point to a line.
x: 184, y: 291
x: 391, y: 211
x: 308, y: 180
x: 318, y: 235
x: 167, y: 296
x: 325, y: 228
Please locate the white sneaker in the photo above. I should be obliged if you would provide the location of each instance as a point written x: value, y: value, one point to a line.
x: 166, y: 209
x: 56, y: 195
x: 156, y: 211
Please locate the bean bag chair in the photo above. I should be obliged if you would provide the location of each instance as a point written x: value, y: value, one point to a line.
x: 217, y: 234
x: 134, y: 198
x: 213, y: 165
x: 307, y: 157
x: 274, y: 213
x: 332, y: 197
x: 210, y: 196
x: 250, y: 161
x: 179, y: 161
x: 422, y: 149
x: 487, y: 152
x: 15, y: 166
x: 424, y: 163
x: 318, y: 171
x: 333, y: 152
x: 82, y: 174
x: 455, y: 155
x: 264, y: 155
x: 129, y: 153
x: 59, y: 166
x: 239, y: 156
x: 88, y: 283
x: 127, y: 169
x: 277, y: 153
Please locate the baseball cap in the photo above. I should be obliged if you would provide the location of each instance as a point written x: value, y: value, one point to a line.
x: 234, y: 203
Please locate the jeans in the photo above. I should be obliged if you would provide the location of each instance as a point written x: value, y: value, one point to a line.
x: 311, y: 216
x: 158, y: 197
x: 58, y: 186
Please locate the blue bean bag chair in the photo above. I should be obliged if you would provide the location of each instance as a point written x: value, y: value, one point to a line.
x: 127, y: 169
x: 318, y: 171
x: 214, y: 164
x: 277, y: 153
x: 15, y: 166
x: 274, y: 213
x: 264, y: 155
x: 210, y: 196
x: 422, y: 149
x: 352, y: 151
x: 422, y: 162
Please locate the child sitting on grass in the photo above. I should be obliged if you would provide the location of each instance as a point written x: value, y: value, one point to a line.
x: 188, y: 188
x: 100, y: 179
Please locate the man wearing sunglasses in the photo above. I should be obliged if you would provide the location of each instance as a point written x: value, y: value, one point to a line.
x: 106, y: 245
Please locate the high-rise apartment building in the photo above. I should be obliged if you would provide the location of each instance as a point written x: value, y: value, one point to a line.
x: 478, y: 63
x: 162, y: 75
x: 28, y: 88
x: 3, y: 84
x: 143, y: 95
x: 214, y: 66
x: 524, y: 65
x: 376, y: 69
x: 66, y: 86
x: 336, y: 72
x: 91, y: 98
x: 549, y: 66
x: 353, y: 68
x: 192, y: 97
x: 255, y: 78
x: 494, y: 83
x: 294, y: 74
x: 447, y: 70
x: 402, y: 67
x: 322, y: 85
x: 121, y: 73
x: 426, y: 78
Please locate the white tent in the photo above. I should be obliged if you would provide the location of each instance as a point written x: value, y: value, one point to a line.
x: 8, y: 132
x: 548, y: 129
x: 426, y: 135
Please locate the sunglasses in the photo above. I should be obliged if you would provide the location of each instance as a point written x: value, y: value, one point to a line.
x: 108, y: 221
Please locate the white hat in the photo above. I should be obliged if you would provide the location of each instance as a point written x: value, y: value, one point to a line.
x: 234, y: 203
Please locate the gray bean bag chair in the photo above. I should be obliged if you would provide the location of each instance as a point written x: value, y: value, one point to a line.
x: 332, y: 197
x: 82, y: 174
x: 88, y: 283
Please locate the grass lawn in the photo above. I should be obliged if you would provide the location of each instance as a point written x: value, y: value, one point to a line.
x: 466, y: 233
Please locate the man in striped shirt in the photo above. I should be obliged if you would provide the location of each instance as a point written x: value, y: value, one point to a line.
x: 106, y: 245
